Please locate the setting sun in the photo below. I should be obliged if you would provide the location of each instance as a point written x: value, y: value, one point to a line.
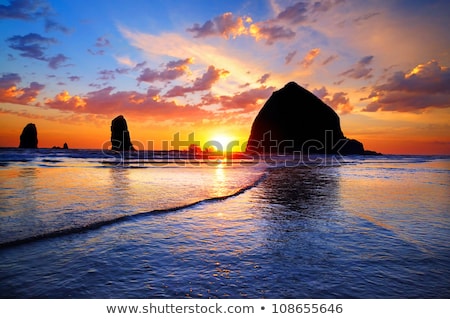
x: 223, y: 142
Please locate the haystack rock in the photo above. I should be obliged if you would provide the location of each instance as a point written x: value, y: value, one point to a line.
x: 294, y: 119
x: 120, y: 137
x: 28, y: 138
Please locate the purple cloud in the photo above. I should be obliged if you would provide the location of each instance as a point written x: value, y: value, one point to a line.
x: 360, y: 69
x: 51, y: 25
x: 74, y: 78
x: 295, y: 14
x: 425, y: 86
x: 211, y: 76
x: 263, y: 78
x: 289, y: 57
x: 57, y: 61
x: 102, y: 42
x: 31, y: 45
x: 325, y: 5
x: 272, y: 33
x: 24, y: 9
x: 107, y: 75
x: 9, y: 79
x: 172, y: 70
x: 330, y: 59
x: 10, y: 92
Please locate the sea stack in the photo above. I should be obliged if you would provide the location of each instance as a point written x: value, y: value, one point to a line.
x: 294, y: 119
x: 28, y: 138
x: 120, y: 137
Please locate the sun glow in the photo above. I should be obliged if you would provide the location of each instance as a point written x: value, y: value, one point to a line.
x: 222, y: 142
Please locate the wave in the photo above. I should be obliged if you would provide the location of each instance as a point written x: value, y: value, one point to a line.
x: 124, y: 218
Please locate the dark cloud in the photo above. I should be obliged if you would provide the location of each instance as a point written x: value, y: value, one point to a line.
x: 57, y: 61
x: 136, y: 68
x: 263, y: 78
x: 360, y: 69
x: 25, y: 9
x: 51, y: 25
x: 74, y: 78
x: 205, y: 82
x: 289, y: 57
x: 365, y: 17
x: 325, y: 5
x: 31, y: 45
x: 172, y: 70
x: 295, y: 14
x: 139, y: 66
x: 102, y: 42
x: 330, y: 59
x: 425, y: 86
x: 205, y: 30
x: 95, y: 85
x: 272, y: 33
x: 9, y: 79
x: 107, y: 75
x: 34, y: 46
x: 122, y: 70
x: 98, y: 52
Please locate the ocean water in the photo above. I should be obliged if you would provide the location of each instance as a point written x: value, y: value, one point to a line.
x: 86, y: 224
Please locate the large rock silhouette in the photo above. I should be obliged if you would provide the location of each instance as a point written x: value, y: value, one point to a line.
x: 120, y: 137
x: 294, y: 119
x: 28, y: 138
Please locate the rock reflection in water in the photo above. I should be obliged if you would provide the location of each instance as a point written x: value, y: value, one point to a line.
x: 304, y: 192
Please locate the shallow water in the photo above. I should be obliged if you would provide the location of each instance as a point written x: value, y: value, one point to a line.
x: 370, y: 227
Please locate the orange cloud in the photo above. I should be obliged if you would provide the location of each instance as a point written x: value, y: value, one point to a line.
x: 11, y: 93
x: 309, y: 57
x: 64, y: 101
x: 132, y: 103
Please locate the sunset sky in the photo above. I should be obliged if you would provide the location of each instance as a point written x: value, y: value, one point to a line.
x: 207, y: 67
